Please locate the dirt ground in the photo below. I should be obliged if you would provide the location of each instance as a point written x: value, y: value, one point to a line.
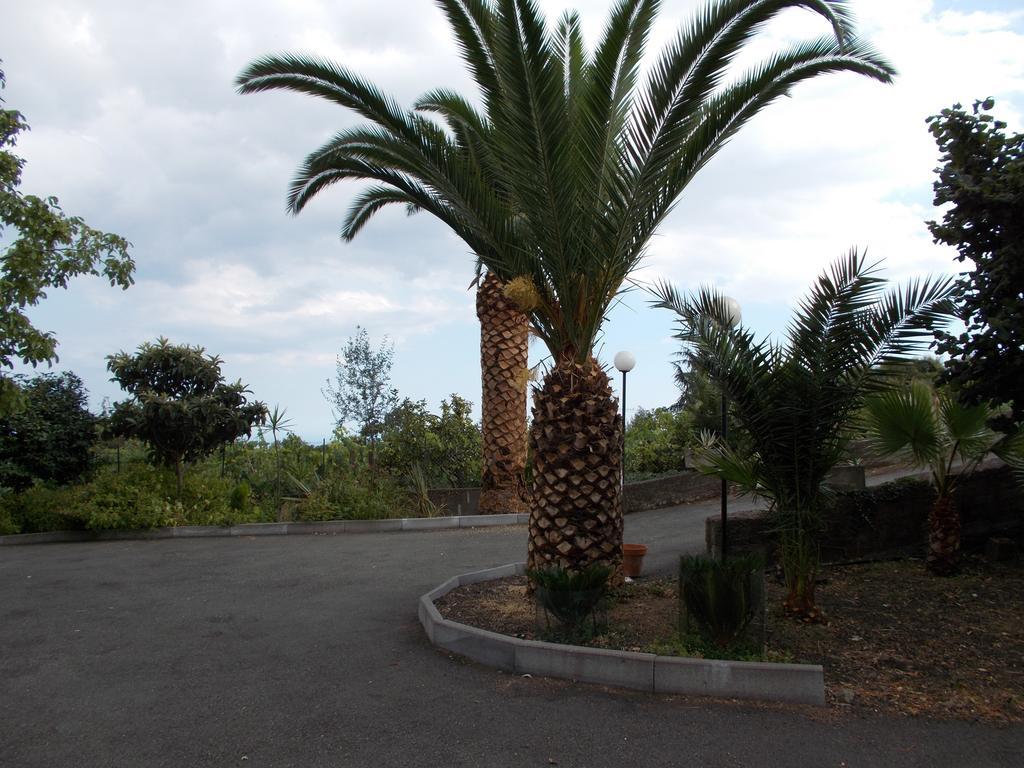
x: 896, y: 640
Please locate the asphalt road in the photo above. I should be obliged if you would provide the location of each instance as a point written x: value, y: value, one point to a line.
x: 305, y: 651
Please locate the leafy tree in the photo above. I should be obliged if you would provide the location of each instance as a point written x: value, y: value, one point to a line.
x: 795, y: 400
x: 460, y: 441
x: 408, y: 437
x: 445, y: 447
x: 362, y: 390
x: 657, y: 441
x: 935, y: 431
x: 180, y: 405
x: 558, y: 184
x: 982, y: 181
x: 47, y: 249
x: 50, y: 437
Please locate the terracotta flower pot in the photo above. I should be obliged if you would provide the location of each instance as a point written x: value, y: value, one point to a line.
x: 633, y: 559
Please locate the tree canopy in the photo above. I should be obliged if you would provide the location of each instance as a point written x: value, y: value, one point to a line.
x: 48, y: 439
x: 446, y: 447
x: 48, y: 248
x: 577, y: 155
x: 180, y: 405
x: 981, y: 179
x: 362, y: 390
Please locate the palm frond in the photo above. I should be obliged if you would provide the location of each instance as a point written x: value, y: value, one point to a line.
x: 714, y: 457
x: 565, y: 172
x: 472, y: 23
x: 326, y: 80
x: 795, y: 400
x: 904, y: 421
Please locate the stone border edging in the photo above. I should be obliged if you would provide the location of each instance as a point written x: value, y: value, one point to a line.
x: 791, y: 683
x: 271, y: 529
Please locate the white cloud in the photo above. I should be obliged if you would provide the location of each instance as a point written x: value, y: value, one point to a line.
x: 138, y: 129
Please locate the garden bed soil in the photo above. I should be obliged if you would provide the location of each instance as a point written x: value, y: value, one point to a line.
x: 896, y: 639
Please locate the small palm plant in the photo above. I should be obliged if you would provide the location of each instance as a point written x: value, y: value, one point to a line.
x: 795, y: 400
x: 935, y: 431
x: 277, y: 423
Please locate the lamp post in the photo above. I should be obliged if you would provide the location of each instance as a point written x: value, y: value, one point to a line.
x: 733, y: 317
x: 624, y: 362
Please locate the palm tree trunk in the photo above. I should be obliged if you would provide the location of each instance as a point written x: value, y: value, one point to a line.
x: 943, y: 537
x: 503, y: 362
x: 576, y: 437
x: 800, y: 560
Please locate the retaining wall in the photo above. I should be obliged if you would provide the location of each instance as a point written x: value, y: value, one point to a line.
x: 661, y: 492
x: 891, y: 519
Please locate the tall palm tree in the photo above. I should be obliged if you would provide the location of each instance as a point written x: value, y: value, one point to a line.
x: 558, y: 184
x: 504, y: 357
x: 451, y: 174
x: 795, y: 400
x: 935, y: 430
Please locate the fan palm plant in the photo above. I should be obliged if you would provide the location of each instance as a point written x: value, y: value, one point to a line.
x: 558, y: 182
x: 795, y: 400
x: 936, y: 431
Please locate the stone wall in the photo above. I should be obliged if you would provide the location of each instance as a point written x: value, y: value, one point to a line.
x: 891, y: 519
x: 456, y: 501
x: 661, y: 492
x: 648, y: 494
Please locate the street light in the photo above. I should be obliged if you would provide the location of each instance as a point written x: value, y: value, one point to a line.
x: 624, y: 362
x: 733, y: 317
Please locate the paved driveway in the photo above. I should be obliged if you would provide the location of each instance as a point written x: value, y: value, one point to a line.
x: 305, y: 651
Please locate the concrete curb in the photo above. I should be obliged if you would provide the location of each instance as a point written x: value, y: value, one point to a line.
x: 791, y: 683
x: 330, y: 527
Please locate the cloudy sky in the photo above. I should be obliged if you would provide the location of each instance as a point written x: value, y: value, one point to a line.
x: 136, y: 127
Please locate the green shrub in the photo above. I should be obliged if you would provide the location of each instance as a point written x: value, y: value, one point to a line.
x: 351, y: 496
x: 48, y: 439
x: 721, y: 597
x: 240, y: 501
x: 136, y: 497
x: 38, y: 508
x: 656, y: 442
x: 7, y: 524
x: 143, y: 496
x: 570, y: 596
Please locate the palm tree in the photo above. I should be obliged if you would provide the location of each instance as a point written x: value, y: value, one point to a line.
x: 504, y: 357
x: 795, y: 400
x: 940, y: 433
x: 557, y: 186
x: 452, y: 175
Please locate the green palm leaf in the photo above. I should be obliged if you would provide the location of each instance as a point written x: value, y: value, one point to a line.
x: 572, y: 163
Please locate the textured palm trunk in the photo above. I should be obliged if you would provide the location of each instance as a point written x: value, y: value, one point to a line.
x: 504, y: 350
x: 576, y: 437
x: 943, y: 537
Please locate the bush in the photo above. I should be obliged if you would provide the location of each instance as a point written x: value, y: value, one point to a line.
x: 656, y: 441
x: 48, y: 439
x: 350, y: 496
x: 571, y: 596
x: 722, y: 597
x: 445, y: 447
x: 240, y: 499
x: 138, y: 497
x: 333, y: 482
x: 38, y: 509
